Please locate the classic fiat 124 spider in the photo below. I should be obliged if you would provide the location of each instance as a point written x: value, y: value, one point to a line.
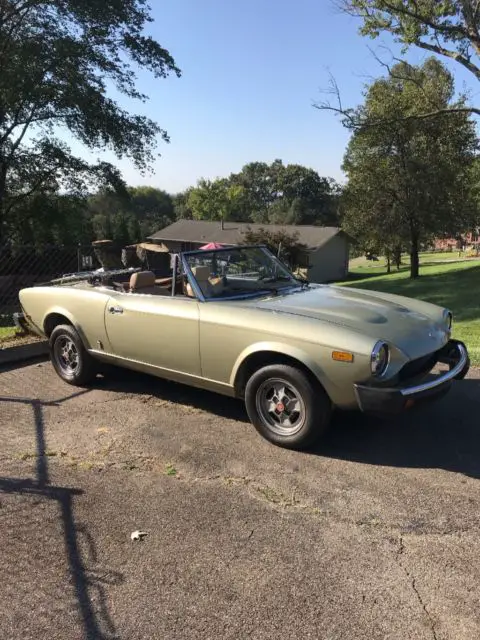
x: 236, y: 321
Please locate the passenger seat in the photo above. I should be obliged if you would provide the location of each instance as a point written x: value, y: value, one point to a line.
x: 144, y: 282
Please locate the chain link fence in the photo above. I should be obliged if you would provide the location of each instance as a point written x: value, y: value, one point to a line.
x: 26, y: 265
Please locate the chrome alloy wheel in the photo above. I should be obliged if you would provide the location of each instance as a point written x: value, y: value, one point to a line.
x: 280, y: 406
x: 67, y: 356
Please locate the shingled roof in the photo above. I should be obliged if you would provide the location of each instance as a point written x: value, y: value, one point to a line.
x: 203, y: 231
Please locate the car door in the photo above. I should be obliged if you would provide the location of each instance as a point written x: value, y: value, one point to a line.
x: 162, y: 331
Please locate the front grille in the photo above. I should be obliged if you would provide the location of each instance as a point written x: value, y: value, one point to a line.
x: 418, y: 367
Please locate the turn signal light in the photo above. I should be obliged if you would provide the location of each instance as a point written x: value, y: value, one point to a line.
x: 342, y: 356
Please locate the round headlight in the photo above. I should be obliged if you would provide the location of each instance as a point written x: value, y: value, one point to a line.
x: 448, y: 319
x: 379, y: 359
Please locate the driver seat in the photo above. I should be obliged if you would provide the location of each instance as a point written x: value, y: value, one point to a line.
x: 209, y: 285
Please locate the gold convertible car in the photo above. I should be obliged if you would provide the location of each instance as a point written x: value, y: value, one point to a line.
x: 236, y: 321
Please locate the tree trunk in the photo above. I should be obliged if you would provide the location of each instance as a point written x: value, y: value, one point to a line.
x: 414, y: 259
x: 3, y: 222
x: 389, y: 266
x: 2, y: 225
x: 397, y: 256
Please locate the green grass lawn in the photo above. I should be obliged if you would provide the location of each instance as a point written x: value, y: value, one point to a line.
x: 362, y: 265
x: 455, y: 285
x: 7, y: 332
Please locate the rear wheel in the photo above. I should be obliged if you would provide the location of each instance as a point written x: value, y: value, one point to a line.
x: 69, y: 357
x: 286, y: 407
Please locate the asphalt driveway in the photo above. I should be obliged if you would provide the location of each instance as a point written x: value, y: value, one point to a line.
x: 374, y: 535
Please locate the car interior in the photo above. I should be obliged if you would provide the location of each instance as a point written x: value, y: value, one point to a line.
x: 150, y: 283
x: 210, y: 285
x: 147, y: 282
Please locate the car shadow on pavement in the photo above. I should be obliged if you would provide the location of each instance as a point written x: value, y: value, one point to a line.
x: 441, y: 435
x: 88, y: 585
x: 131, y: 382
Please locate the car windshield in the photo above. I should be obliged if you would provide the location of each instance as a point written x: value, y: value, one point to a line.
x: 238, y: 272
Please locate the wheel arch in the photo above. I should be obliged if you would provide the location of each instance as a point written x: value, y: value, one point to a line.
x: 55, y: 317
x: 58, y: 316
x: 264, y: 354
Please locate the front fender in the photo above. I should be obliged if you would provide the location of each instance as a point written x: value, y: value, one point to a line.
x: 313, y: 364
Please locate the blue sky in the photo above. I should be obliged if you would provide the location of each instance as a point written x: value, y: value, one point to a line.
x: 250, y: 72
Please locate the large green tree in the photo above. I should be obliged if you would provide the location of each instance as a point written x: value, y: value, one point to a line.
x: 449, y: 28
x: 131, y: 215
x: 152, y: 208
x: 62, y: 62
x: 287, y: 194
x: 216, y: 200
x: 180, y: 205
x: 52, y: 218
x: 409, y: 178
x: 260, y: 182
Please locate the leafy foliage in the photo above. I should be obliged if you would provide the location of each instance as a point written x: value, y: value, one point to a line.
x: 59, y: 60
x: 409, y: 178
x: 283, y: 244
x: 216, y: 200
x: 132, y: 216
x: 448, y: 27
x: 271, y: 194
x: 287, y: 194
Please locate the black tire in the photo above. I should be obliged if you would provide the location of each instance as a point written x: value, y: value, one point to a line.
x: 303, y: 396
x: 69, y: 357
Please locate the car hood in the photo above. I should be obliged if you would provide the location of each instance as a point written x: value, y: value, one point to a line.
x: 414, y: 326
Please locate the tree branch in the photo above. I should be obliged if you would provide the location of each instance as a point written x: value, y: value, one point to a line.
x: 20, y: 197
x: 454, y: 55
x: 409, y: 77
x: 24, y: 130
x: 451, y: 30
x: 359, y: 123
x: 470, y: 15
x: 467, y: 32
x: 333, y: 89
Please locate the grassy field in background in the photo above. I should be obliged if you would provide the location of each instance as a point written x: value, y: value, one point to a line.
x: 455, y: 285
x: 362, y: 265
x: 7, y: 332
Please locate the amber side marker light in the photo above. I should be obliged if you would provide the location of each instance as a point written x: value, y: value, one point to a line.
x: 342, y: 356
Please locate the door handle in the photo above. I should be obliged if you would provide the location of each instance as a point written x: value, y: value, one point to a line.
x: 115, y: 310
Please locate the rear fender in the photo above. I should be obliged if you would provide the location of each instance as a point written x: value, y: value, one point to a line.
x: 57, y: 310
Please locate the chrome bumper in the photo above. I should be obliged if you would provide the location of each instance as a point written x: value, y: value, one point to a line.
x: 394, y: 400
x: 441, y: 379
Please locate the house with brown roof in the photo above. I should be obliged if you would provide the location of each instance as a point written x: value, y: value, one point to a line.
x: 325, y: 250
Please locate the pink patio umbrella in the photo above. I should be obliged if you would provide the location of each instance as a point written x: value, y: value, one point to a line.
x: 213, y: 245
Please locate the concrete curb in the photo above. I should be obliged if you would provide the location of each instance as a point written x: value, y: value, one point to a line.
x: 23, y: 352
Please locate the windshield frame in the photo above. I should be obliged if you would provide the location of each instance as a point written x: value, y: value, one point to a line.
x: 184, y: 255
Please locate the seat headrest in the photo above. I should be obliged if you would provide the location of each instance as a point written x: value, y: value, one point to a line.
x: 201, y: 273
x: 142, y: 279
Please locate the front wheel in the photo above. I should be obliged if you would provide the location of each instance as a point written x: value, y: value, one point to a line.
x: 285, y: 407
x: 69, y: 357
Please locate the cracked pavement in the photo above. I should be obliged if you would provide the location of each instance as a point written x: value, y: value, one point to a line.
x: 373, y: 535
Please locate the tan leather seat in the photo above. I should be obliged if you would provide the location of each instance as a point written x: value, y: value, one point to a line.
x: 202, y: 273
x: 144, y: 282
x: 209, y: 285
